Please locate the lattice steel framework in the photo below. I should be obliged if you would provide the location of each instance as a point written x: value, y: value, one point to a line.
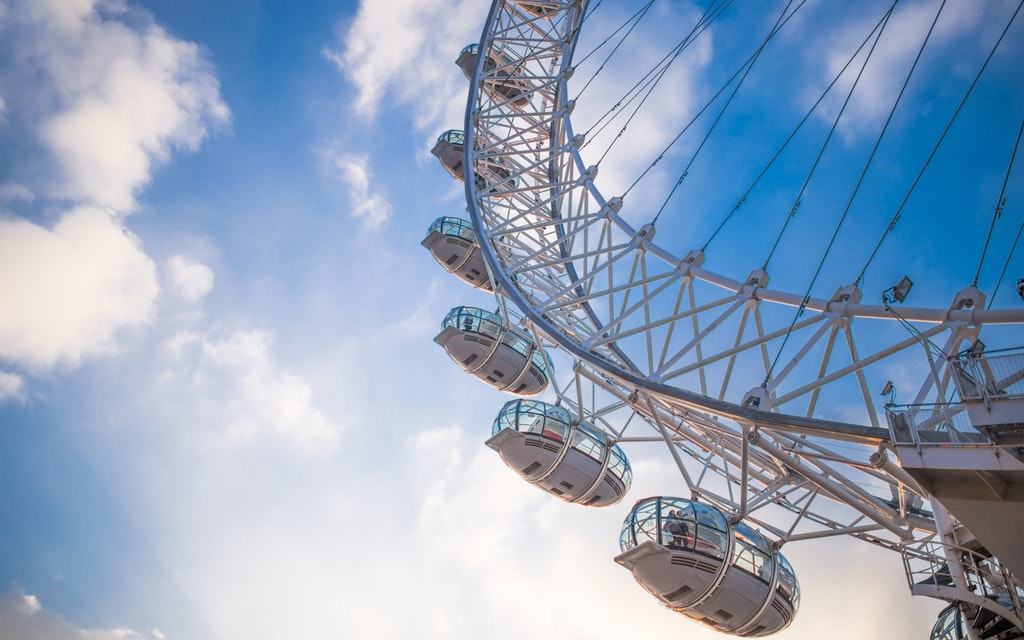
x: 673, y: 342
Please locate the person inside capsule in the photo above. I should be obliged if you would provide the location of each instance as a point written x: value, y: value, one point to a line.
x: 676, y: 529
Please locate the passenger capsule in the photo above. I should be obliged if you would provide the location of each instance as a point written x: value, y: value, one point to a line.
x: 965, y: 620
x: 453, y: 243
x: 450, y: 149
x: 506, y: 358
x: 573, y: 460
x: 950, y: 625
x: 728, y: 578
x: 500, y: 78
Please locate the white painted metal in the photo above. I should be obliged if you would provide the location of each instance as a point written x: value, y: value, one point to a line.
x: 685, y: 346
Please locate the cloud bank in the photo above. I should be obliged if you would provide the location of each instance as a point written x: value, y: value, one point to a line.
x: 107, y: 99
x: 68, y: 290
x: 96, y: 98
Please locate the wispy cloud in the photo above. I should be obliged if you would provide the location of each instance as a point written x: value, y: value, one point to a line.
x: 22, y: 616
x: 11, y: 387
x: 406, y: 49
x: 233, y: 386
x: 354, y: 171
x: 190, y: 279
x: 112, y: 100
x: 963, y: 31
x: 12, y: 191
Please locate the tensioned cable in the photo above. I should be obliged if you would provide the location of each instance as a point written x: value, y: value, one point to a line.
x: 591, y: 8
x: 1006, y: 264
x: 828, y: 139
x: 792, y: 135
x: 949, y: 125
x: 871, y: 156
x: 635, y: 20
x: 1000, y: 203
x: 649, y: 82
x: 796, y: 203
x: 888, y: 121
x: 650, y: 79
x: 643, y: 79
x: 783, y: 19
x: 935, y: 349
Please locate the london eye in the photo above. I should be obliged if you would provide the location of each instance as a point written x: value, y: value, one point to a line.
x: 782, y: 241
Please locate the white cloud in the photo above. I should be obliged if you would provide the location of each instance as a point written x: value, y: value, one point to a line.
x: 29, y: 604
x: 373, y: 209
x: 22, y: 616
x: 68, y: 290
x: 107, y: 95
x: 11, y: 387
x: 408, y: 48
x: 190, y: 279
x: 234, y: 386
x: 122, y: 98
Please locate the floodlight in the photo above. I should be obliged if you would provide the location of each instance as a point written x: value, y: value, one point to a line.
x: 902, y: 288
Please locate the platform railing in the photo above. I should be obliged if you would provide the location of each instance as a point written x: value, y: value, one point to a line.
x: 959, y: 574
x: 933, y: 424
x: 991, y: 387
x: 987, y: 375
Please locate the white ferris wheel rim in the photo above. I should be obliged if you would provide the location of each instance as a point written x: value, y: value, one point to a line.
x: 551, y: 322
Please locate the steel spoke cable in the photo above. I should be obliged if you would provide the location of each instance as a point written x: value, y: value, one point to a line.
x: 878, y: 140
x: 591, y: 9
x: 828, y: 139
x: 1006, y: 264
x: 635, y: 20
x: 778, y: 152
x: 645, y: 87
x: 639, y: 84
x: 1000, y: 203
x: 747, y: 67
x: 871, y: 156
x: 942, y: 137
x: 796, y: 203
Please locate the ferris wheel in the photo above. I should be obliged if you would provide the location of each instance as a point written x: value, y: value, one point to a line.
x: 704, y: 228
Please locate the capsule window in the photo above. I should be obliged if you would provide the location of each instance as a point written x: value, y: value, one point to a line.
x: 752, y: 553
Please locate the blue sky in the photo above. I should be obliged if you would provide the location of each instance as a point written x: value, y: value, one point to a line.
x: 221, y: 412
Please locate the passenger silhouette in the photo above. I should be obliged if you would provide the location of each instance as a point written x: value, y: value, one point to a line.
x: 676, y: 527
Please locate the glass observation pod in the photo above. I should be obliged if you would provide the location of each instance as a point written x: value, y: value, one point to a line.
x: 501, y: 81
x: 950, y: 625
x: 450, y: 149
x: 728, y: 578
x: 573, y: 460
x: 453, y: 243
x: 507, y: 358
x: 964, y: 621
